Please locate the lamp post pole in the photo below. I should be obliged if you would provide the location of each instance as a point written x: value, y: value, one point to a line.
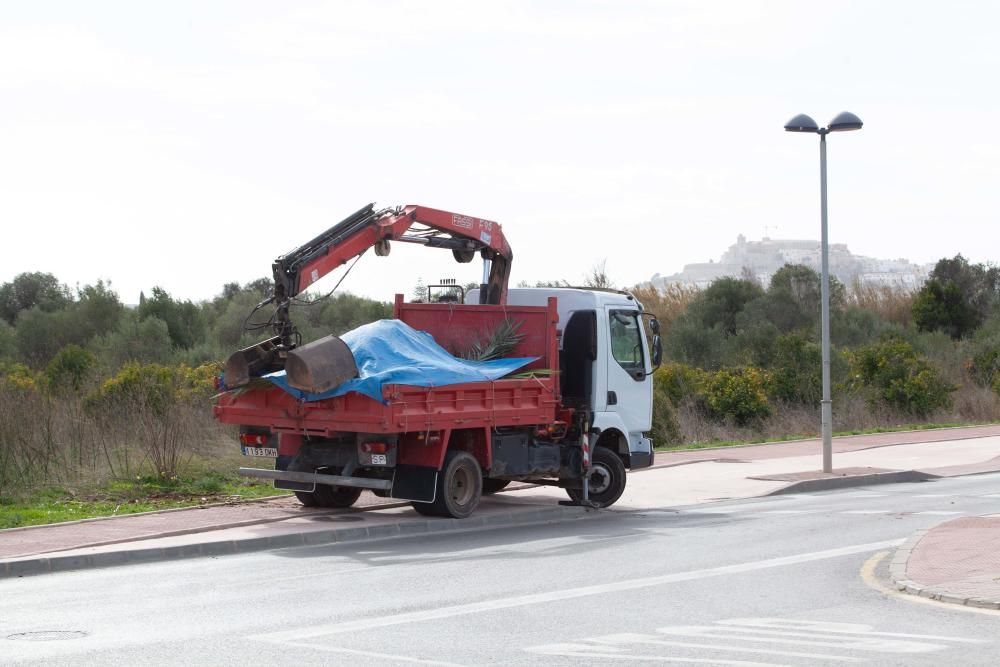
x: 844, y: 121
x: 826, y: 406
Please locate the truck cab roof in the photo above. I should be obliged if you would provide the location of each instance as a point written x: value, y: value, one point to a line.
x: 570, y: 299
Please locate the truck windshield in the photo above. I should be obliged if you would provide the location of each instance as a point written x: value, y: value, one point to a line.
x: 626, y: 342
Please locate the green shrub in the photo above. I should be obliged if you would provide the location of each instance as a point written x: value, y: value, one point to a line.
x: 679, y: 381
x: 153, y: 386
x: 893, y: 372
x: 69, y: 369
x: 666, y: 428
x: 797, y: 370
x: 739, y: 394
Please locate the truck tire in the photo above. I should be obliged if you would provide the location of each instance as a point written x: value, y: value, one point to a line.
x: 327, y: 495
x: 491, y: 485
x: 607, y: 478
x: 459, y: 487
x: 336, y: 496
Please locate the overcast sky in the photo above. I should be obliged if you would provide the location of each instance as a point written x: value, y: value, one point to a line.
x: 186, y: 145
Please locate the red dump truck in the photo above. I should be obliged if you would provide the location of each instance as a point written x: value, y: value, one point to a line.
x: 575, y: 417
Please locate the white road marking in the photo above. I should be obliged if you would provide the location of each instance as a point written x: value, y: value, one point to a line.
x: 792, y: 512
x: 568, y: 650
x: 837, y: 628
x: 774, y: 631
x: 382, y: 656
x: 776, y: 637
x: 358, y: 625
x: 937, y: 513
x: 634, y: 638
x: 865, y: 512
x: 992, y: 495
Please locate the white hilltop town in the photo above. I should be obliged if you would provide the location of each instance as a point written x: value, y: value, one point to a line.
x: 761, y: 259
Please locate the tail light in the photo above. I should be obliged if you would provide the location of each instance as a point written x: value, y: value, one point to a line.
x: 374, y: 447
x: 254, y: 439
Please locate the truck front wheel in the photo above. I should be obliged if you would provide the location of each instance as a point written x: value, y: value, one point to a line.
x: 459, y: 487
x: 607, y: 478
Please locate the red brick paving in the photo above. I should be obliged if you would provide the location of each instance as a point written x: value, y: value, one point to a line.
x: 961, y: 557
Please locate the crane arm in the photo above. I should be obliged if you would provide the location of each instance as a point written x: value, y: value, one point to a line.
x: 367, y: 228
x: 326, y: 362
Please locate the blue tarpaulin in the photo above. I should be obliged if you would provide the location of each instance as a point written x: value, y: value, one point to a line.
x: 392, y: 352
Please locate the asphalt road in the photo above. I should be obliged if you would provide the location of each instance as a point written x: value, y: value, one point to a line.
x: 769, y: 581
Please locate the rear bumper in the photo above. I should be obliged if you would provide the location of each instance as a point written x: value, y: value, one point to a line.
x: 318, y: 478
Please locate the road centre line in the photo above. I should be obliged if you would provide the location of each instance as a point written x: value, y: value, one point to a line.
x: 302, y: 633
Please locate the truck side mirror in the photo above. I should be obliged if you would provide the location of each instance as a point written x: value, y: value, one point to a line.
x: 654, y: 326
x: 657, y: 350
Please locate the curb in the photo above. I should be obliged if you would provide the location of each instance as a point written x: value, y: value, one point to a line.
x: 827, y: 483
x: 897, y: 574
x: 45, y: 564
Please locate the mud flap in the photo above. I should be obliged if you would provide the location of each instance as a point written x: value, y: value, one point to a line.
x: 320, y: 365
x: 411, y: 482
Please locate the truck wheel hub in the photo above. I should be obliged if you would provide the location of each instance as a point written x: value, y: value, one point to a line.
x: 600, y: 479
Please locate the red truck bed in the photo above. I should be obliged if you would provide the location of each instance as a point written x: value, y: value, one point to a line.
x: 408, y: 409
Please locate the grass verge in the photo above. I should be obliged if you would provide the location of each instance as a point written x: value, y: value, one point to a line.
x: 145, y: 493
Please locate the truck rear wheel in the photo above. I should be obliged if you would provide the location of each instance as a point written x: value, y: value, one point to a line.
x: 327, y: 495
x: 336, y: 496
x: 607, y: 479
x: 459, y: 487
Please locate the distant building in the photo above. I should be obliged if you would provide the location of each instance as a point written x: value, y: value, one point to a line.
x: 761, y: 259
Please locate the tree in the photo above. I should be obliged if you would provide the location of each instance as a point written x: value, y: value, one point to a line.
x: 722, y: 302
x: 8, y: 344
x: 97, y: 309
x: 957, y: 297
x: 134, y: 340
x: 598, y: 277
x: 419, y: 292
x: 183, y: 319
x: 29, y: 290
x: 40, y: 334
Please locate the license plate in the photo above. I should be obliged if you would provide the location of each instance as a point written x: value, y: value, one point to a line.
x: 379, y: 460
x: 261, y: 451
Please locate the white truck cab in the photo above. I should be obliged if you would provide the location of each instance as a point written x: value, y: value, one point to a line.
x: 606, y: 363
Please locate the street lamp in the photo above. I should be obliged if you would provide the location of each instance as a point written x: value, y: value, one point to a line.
x: 845, y: 121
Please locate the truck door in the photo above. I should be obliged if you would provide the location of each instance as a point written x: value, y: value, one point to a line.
x: 630, y: 381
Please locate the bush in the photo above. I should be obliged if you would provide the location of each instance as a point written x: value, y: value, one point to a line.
x: 893, y: 372
x: 666, y: 427
x: 69, y: 369
x: 983, y: 366
x: 797, y: 374
x: 678, y: 381
x: 156, y: 407
x: 739, y: 394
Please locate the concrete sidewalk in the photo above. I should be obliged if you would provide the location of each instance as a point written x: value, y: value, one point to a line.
x: 679, y: 478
